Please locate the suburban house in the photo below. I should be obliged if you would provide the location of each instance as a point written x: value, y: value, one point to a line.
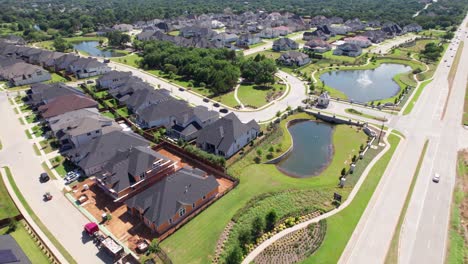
x: 227, y: 135
x: 123, y: 27
x: 293, y: 58
x: 392, y: 29
x: 133, y: 168
x: 170, y: 200
x: 323, y: 100
x: 21, y: 73
x: 45, y: 58
x: 269, y: 33
x: 42, y: 93
x: 87, y: 67
x: 112, y: 79
x: 161, y: 114
x: 318, y: 34
x: 195, y: 31
x: 130, y: 86
x: 246, y: 40
x: 62, y: 63
x: 340, y: 29
x: 355, y: 24
x: 80, y: 131
x: 226, y: 38
x: 282, y: 30
x: 317, y: 45
x: 143, y: 98
x: 65, y: 103
x: 412, y: 28
x: 283, y: 44
x: 375, y: 36
x: 13, y: 39
x: 64, y: 121
x: 92, y: 157
x: 348, y: 49
x: 361, y: 41
x: 187, y: 124
x: 11, y: 252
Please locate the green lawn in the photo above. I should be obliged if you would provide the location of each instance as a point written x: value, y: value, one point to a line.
x: 255, y: 179
x: 36, y: 149
x: 7, y: 206
x: 31, y: 118
x: 108, y: 114
x: 123, y: 112
x: 226, y: 99
x: 415, y: 98
x: 341, y: 226
x: 359, y: 113
x: 256, y: 95
x: 62, y: 166
x: 27, y: 243
x: 37, y: 131
x: 131, y: 60
x: 38, y: 222
x: 56, y: 78
x: 465, y: 108
x: 49, y: 145
x: 270, y: 54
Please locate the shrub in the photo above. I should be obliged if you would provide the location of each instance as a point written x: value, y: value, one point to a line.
x: 258, y: 225
x: 270, y: 220
x: 218, y: 160
x: 235, y: 256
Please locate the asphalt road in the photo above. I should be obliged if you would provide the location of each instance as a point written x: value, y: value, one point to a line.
x: 63, y: 220
x: 424, y: 232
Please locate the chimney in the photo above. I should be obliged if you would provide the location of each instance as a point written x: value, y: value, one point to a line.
x: 221, y: 131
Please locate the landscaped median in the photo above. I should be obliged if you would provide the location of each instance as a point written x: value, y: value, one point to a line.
x: 359, y: 113
x: 416, y: 96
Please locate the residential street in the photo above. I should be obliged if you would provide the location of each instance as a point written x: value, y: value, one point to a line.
x: 63, y: 220
x: 424, y: 233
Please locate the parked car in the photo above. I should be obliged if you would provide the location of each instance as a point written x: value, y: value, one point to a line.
x: 44, y: 177
x: 89, y: 82
x: 436, y: 178
x: 106, y: 60
x: 216, y: 105
x: 206, y: 100
x: 72, y: 176
x: 223, y: 110
x: 181, y: 89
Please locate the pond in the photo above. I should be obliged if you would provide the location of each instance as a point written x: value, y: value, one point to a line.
x: 312, y: 149
x: 91, y: 47
x: 366, y: 85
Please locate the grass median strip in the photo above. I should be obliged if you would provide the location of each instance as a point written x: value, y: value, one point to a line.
x: 415, y: 98
x: 36, y: 219
x: 465, y: 108
x: 36, y: 149
x: 392, y: 254
x: 48, y: 170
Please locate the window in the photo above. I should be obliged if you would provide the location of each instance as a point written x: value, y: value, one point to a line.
x: 193, y: 205
x: 170, y: 220
x: 204, y: 197
x: 97, y: 132
x: 182, y: 211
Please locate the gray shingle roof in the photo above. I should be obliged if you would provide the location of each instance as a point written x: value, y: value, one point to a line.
x: 163, y: 109
x: 163, y: 200
x: 11, y: 251
x: 225, y: 131
x: 121, y: 169
x: 42, y: 92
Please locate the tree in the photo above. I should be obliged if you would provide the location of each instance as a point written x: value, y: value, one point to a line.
x: 235, y: 256
x: 244, y: 239
x: 259, y: 152
x: 354, y: 158
x: 258, y: 225
x: 343, y: 172
x: 61, y: 45
x: 117, y: 38
x: 154, y: 246
x: 270, y: 220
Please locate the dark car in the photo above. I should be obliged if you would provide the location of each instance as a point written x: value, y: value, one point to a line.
x: 106, y: 61
x: 89, y: 82
x: 181, y: 89
x: 44, y: 177
x: 223, y: 110
x: 206, y: 100
x: 216, y: 105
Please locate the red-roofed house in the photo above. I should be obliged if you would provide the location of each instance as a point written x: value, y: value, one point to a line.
x: 66, y: 103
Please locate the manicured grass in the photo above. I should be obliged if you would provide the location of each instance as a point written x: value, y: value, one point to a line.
x: 174, y: 33
x: 341, y: 226
x: 465, y: 108
x: 108, y: 114
x: 101, y: 94
x: 48, y: 145
x: 38, y: 222
x: 48, y: 171
x: 28, y: 134
x: 27, y: 243
x: 392, y: 254
x: 131, y: 60
x: 31, y: 118
x: 256, y: 95
x: 55, y: 78
x: 329, y: 55
x: 123, y: 112
x: 25, y: 108
x: 456, y: 61
x: 226, y: 99
x: 415, y: 98
x: 21, y: 120
x: 359, y: 113
x: 111, y: 103
x: 37, y: 131
x: 36, y: 149
x: 458, y: 248
x: 257, y: 44
x: 49, y: 43
x: 255, y: 179
x: 270, y: 54
x: 7, y: 206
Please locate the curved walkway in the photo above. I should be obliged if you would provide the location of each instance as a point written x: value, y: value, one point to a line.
x: 251, y: 256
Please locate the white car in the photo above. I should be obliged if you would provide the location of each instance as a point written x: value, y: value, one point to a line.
x: 436, y: 177
x: 72, y: 176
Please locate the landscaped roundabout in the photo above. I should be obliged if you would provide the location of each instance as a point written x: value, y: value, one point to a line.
x: 268, y: 201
